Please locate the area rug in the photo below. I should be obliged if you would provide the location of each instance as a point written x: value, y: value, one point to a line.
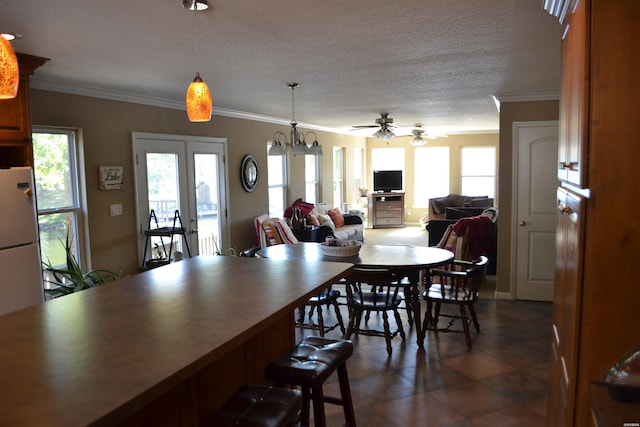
x: 412, y: 235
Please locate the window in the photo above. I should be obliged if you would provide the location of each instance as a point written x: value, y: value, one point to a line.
x: 387, y: 159
x: 431, y: 174
x: 358, y: 170
x: 58, y: 194
x: 311, y: 178
x: 277, y: 181
x: 478, y: 170
x: 338, y: 176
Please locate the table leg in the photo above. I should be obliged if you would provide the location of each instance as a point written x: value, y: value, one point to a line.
x: 414, y: 280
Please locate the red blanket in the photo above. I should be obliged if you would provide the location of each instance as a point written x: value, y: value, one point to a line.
x: 479, y: 232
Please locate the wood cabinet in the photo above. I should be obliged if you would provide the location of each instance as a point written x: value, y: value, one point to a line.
x: 15, y: 118
x: 598, y: 225
x: 572, y: 146
x: 386, y: 210
x: 566, y: 307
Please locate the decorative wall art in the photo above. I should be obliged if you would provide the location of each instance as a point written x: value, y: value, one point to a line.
x: 111, y: 177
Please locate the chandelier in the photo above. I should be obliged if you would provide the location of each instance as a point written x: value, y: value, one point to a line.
x: 299, y: 145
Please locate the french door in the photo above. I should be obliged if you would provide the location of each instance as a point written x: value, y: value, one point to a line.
x: 186, y: 175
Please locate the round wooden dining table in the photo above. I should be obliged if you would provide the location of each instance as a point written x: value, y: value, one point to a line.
x: 406, y: 261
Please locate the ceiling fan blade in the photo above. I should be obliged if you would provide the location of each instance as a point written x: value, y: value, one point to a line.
x: 365, y: 126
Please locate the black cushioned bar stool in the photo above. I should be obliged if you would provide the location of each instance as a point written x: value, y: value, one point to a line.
x: 259, y: 406
x: 309, y: 365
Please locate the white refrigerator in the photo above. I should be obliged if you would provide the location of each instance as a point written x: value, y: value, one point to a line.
x: 20, y: 267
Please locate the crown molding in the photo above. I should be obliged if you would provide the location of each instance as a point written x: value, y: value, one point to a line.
x: 115, y: 95
x: 531, y: 96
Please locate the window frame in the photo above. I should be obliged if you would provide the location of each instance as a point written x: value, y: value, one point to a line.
x: 78, y: 208
x: 283, y: 186
x: 493, y: 174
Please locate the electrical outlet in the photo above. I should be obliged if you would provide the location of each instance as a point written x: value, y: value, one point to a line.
x: 116, y: 210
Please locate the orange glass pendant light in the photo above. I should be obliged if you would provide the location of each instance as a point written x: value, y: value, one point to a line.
x: 9, y: 74
x: 199, y: 104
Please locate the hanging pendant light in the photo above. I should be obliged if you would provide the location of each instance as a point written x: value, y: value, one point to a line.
x: 9, y: 73
x: 198, y: 98
x: 199, y: 104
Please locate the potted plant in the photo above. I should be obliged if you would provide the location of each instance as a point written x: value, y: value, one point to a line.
x: 72, y: 278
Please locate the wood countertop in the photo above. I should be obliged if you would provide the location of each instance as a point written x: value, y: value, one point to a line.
x: 97, y: 356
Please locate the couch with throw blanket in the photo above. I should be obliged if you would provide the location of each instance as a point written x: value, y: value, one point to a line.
x: 343, y: 226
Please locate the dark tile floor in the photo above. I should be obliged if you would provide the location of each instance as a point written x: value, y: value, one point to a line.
x: 501, y: 381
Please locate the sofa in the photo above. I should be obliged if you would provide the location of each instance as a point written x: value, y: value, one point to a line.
x: 439, y: 205
x: 336, y: 223
x: 344, y: 226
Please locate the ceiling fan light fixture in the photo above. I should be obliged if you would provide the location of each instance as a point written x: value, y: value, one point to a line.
x: 198, y: 100
x: 196, y: 5
x: 9, y: 72
x: 384, y: 134
x: 417, y: 140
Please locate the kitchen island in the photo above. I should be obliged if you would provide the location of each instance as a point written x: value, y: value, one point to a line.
x: 164, y: 347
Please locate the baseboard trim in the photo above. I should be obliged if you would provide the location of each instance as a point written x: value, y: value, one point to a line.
x: 504, y: 295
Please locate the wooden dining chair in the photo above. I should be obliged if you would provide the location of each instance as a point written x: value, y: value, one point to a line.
x: 374, y: 290
x: 275, y: 231
x: 458, y: 286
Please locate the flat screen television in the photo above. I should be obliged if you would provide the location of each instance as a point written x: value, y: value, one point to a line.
x: 387, y: 180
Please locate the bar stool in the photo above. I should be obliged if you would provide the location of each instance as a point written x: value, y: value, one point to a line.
x: 309, y: 365
x: 259, y: 406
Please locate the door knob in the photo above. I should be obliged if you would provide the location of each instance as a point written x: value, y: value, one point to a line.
x: 523, y: 223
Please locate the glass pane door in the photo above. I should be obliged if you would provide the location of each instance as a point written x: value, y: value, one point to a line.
x: 184, y: 176
x: 205, y: 223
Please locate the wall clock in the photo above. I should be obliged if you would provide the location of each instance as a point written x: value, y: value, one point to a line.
x: 249, y: 173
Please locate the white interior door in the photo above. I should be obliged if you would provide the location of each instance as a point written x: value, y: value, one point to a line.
x: 184, y: 174
x: 535, y: 164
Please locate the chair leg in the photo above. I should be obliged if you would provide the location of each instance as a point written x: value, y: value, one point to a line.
x: 387, y: 332
x: 336, y: 307
x: 320, y: 321
x: 304, y: 414
x: 352, y: 327
x: 408, y: 301
x: 345, y: 394
x: 399, y: 322
x: 465, y: 324
x: 472, y: 310
x: 318, y: 406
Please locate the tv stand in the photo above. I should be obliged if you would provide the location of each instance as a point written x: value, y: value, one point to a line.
x: 386, y: 209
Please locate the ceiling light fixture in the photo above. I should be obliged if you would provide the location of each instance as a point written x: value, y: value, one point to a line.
x: 417, y: 138
x: 198, y: 99
x: 9, y: 72
x: 195, y: 4
x: 298, y: 142
x: 384, y: 134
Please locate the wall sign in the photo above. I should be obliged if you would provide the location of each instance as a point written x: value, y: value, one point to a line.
x: 111, y: 177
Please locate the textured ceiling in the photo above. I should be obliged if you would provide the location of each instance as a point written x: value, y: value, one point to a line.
x: 430, y: 62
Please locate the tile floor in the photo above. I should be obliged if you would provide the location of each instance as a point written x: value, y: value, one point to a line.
x: 501, y: 381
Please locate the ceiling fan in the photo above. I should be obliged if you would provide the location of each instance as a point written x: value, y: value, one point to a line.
x: 419, y: 136
x: 385, y: 123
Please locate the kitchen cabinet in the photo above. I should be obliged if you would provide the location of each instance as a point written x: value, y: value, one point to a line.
x: 15, y: 118
x: 572, y: 147
x: 598, y: 224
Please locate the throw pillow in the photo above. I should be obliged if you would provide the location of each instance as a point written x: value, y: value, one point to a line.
x: 312, y: 220
x: 336, y: 217
x: 326, y: 220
